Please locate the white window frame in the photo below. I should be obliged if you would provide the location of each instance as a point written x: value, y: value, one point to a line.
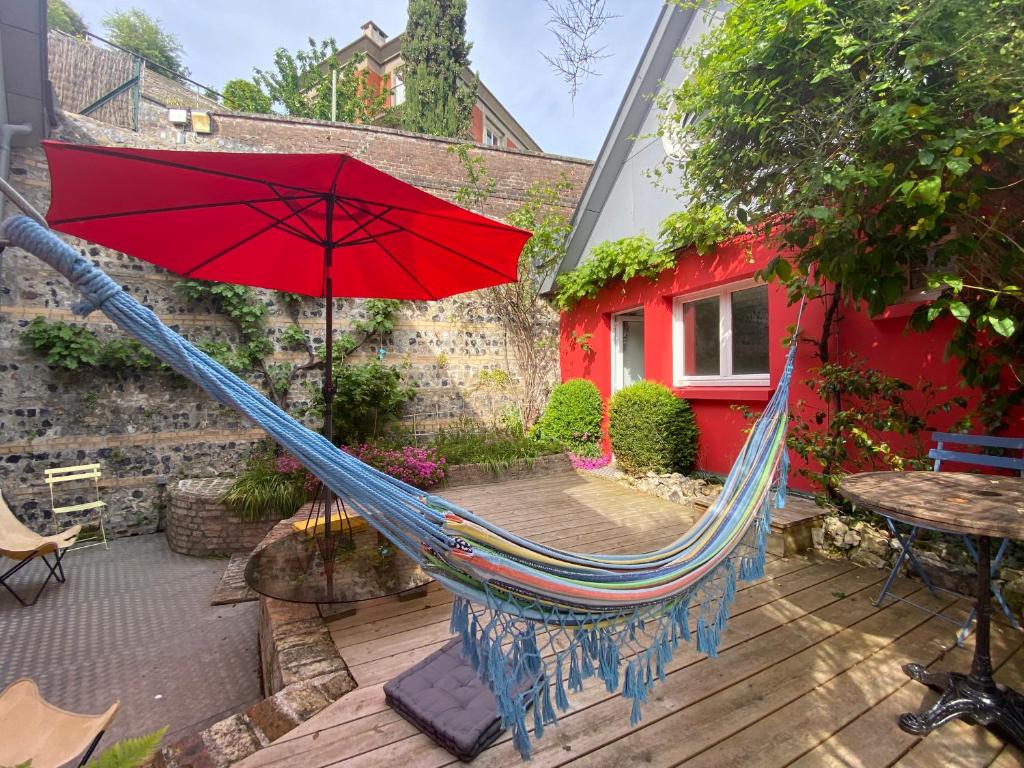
x: 499, y: 137
x: 617, y: 320
x: 725, y: 377
x: 397, y: 88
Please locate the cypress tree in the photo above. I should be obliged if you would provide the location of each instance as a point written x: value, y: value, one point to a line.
x: 437, y: 100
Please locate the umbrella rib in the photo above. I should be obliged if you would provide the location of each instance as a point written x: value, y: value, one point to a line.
x: 312, y: 230
x: 285, y: 227
x: 391, y: 256
x: 337, y: 173
x: 437, y: 244
x: 183, y: 166
x: 243, y: 241
x: 171, y: 209
x: 363, y: 226
x: 482, y: 221
x: 366, y: 240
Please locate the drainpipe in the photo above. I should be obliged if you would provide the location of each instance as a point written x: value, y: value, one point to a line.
x: 8, y: 132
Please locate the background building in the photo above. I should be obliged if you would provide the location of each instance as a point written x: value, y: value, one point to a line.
x: 491, y: 125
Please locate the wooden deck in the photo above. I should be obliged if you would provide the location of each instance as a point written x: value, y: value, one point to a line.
x: 808, y: 672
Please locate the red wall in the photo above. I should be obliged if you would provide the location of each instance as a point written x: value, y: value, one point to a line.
x: 884, y: 343
x: 476, y: 125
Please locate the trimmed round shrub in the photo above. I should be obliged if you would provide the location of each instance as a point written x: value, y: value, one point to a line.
x: 651, y: 429
x: 573, y: 417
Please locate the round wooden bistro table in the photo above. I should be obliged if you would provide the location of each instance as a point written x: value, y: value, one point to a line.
x: 983, y: 506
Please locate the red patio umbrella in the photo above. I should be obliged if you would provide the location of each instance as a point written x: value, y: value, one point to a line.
x: 325, y: 225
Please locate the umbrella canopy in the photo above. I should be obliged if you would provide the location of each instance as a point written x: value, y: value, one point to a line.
x: 316, y: 224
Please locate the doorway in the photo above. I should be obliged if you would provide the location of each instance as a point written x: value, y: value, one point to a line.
x: 628, y: 348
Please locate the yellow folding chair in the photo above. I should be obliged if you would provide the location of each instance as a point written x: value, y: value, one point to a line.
x: 80, y: 474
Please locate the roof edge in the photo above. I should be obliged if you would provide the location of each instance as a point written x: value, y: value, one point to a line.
x: 669, y: 30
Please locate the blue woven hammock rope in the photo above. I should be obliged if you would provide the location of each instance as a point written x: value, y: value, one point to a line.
x: 536, y: 622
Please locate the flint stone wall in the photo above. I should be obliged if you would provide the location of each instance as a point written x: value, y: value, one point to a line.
x: 150, y: 430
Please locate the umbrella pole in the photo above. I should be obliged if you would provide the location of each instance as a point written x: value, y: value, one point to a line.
x: 329, y: 386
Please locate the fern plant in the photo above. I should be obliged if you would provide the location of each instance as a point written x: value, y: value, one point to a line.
x: 130, y: 753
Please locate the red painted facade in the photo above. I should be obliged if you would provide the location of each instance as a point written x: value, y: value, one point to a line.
x: 884, y: 343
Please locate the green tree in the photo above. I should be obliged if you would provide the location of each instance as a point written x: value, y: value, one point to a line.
x: 302, y: 82
x: 137, y: 31
x: 870, y: 141
x: 437, y: 100
x: 245, y: 96
x: 64, y: 18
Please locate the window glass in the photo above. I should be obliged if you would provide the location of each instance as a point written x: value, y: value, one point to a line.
x: 398, y: 89
x: 750, y: 330
x: 701, y: 345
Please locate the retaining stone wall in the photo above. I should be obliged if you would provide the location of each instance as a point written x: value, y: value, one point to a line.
x: 198, y: 524
x: 150, y: 430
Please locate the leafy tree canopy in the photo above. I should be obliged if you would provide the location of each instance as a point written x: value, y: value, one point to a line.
x: 64, y: 18
x: 437, y: 100
x: 245, y: 96
x: 141, y: 33
x: 871, y: 140
x: 301, y: 83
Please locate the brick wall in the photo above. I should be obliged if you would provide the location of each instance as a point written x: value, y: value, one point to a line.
x: 149, y: 431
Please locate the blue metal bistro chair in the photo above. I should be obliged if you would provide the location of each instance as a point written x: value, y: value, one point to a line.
x: 909, y: 534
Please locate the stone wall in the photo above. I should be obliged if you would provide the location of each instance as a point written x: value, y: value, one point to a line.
x: 151, y: 430
x: 199, y: 524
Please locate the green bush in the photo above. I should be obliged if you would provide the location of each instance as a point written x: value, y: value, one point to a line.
x: 651, y: 429
x: 466, y: 442
x: 573, y: 417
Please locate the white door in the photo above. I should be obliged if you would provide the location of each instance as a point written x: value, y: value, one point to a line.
x: 628, y: 346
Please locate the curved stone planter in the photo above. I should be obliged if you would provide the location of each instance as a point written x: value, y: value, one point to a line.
x: 199, y: 525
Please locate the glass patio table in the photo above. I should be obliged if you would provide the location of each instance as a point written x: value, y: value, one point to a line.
x: 363, y: 567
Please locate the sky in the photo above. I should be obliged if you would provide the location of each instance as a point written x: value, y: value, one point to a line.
x: 225, y: 39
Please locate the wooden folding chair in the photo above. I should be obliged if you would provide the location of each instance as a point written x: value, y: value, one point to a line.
x: 82, y: 473
x: 909, y: 533
x: 32, y: 729
x: 23, y: 545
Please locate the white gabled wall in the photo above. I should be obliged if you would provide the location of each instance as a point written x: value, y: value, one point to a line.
x: 636, y: 205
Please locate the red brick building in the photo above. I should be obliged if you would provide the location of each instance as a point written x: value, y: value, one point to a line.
x: 492, y: 124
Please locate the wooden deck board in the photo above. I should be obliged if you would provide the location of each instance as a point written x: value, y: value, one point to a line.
x: 808, y: 672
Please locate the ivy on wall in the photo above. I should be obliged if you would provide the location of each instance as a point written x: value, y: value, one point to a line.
x: 623, y: 259
x: 73, y: 348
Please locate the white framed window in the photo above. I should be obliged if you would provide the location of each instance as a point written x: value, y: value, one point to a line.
x: 493, y: 137
x: 397, y: 88
x: 720, y: 337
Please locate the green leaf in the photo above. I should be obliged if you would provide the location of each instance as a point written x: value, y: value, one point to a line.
x: 925, y: 157
x: 1004, y: 326
x: 960, y: 311
x: 958, y: 166
x: 130, y: 752
x: 928, y: 190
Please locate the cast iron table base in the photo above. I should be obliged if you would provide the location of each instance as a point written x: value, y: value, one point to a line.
x: 974, y: 697
x: 993, y: 706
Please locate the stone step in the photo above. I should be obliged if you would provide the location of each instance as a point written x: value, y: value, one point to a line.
x: 791, y: 525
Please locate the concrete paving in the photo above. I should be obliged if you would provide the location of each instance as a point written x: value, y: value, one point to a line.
x: 134, y: 624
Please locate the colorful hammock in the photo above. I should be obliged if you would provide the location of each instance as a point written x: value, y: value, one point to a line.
x: 525, y: 612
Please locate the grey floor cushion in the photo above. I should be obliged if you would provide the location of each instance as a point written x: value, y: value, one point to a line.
x: 444, y: 698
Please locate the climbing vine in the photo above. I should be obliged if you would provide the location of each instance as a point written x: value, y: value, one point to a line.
x: 72, y: 348
x: 639, y: 255
x: 871, y: 143
x: 516, y: 304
